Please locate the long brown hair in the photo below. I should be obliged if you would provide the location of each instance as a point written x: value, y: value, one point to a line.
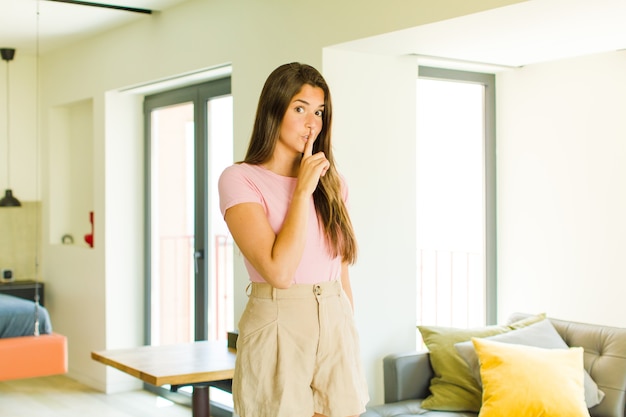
x: 280, y: 87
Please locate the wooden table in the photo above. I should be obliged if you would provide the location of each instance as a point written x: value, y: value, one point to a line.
x: 196, y: 364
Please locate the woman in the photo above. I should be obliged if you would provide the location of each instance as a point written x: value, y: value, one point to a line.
x: 297, y: 351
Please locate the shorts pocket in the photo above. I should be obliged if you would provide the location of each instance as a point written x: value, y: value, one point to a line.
x: 258, y: 314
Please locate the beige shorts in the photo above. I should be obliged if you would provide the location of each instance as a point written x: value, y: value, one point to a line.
x: 298, y: 354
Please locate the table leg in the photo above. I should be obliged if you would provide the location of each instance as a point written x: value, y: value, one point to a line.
x: 200, y: 401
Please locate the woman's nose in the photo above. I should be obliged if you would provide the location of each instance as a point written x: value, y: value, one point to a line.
x: 312, y: 121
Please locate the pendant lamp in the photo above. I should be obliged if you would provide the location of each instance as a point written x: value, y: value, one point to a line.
x: 8, y: 200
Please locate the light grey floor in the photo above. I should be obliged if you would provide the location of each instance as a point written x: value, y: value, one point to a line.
x: 60, y: 396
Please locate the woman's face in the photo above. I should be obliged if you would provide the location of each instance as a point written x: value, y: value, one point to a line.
x: 302, y: 121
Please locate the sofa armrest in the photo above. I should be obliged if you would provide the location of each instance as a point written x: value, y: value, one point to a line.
x: 406, y: 376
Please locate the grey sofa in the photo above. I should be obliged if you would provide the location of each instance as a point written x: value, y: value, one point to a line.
x: 407, y: 376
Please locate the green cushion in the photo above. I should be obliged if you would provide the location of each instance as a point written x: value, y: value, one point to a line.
x: 453, y: 388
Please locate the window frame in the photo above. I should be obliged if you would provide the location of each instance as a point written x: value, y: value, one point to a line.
x: 199, y: 94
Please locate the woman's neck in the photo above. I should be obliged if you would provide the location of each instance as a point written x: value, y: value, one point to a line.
x: 282, y: 166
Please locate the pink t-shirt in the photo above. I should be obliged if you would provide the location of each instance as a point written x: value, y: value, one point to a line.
x: 246, y: 183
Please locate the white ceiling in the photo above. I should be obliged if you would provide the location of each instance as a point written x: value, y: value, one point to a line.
x: 62, y: 23
x: 512, y: 36
x: 520, y: 34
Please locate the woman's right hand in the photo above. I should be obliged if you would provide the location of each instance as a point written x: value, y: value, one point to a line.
x: 312, y: 167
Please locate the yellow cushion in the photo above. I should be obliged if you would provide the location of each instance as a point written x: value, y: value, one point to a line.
x: 453, y: 388
x: 527, y: 381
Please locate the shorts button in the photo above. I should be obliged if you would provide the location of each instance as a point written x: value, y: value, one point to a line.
x: 318, y: 290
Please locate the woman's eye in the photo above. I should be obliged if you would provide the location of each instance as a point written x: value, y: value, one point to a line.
x: 300, y: 109
x: 319, y: 113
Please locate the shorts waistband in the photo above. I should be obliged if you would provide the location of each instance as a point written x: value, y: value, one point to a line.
x: 322, y: 289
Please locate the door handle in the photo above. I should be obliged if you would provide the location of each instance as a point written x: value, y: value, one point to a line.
x: 199, y: 254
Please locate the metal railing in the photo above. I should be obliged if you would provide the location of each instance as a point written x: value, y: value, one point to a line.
x: 173, y: 316
x: 450, y: 289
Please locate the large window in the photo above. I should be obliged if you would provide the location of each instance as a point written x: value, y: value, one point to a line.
x: 455, y: 198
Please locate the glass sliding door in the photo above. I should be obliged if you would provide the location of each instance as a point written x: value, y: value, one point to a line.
x: 188, y: 264
x: 189, y: 274
x: 220, y: 244
x: 172, y: 243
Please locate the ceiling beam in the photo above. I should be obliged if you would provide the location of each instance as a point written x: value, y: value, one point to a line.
x: 106, y: 6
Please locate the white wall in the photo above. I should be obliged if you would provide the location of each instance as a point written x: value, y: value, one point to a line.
x: 374, y: 108
x: 562, y: 189
x: 122, y: 125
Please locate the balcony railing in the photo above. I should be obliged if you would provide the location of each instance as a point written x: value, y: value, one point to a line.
x: 450, y: 289
x: 173, y: 317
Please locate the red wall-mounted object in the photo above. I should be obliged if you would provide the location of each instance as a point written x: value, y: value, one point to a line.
x: 89, y: 237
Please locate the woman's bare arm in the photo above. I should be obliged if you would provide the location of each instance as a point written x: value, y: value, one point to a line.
x: 277, y: 256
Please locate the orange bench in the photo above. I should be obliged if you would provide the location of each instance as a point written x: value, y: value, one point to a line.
x: 32, y: 356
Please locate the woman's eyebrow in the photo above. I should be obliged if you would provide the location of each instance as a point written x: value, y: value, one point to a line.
x: 307, y: 103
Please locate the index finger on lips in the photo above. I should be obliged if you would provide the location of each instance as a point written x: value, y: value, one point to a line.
x: 308, y: 147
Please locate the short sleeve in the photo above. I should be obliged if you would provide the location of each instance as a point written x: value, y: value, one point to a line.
x: 235, y: 187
